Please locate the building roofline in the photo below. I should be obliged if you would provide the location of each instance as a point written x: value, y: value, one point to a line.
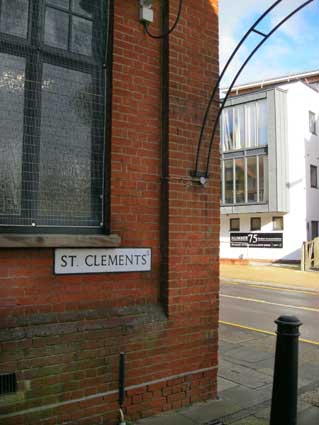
x: 280, y: 80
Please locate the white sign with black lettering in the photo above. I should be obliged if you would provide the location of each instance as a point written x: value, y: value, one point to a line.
x: 100, y: 260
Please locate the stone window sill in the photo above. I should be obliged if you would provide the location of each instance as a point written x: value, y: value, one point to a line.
x: 59, y: 241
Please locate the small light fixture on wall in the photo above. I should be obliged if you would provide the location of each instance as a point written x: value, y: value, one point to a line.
x: 146, y: 11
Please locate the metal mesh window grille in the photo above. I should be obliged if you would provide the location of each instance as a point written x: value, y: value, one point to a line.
x: 8, y: 383
x: 52, y: 101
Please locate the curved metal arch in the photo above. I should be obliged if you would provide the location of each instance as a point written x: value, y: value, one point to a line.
x: 196, y: 173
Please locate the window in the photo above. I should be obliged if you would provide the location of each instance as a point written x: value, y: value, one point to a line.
x: 312, y: 123
x: 229, y: 181
x: 278, y: 223
x: 234, y: 224
x: 244, y: 153
x: 314, y: 229
x: 313, y: 176
x: 239, y: 180
x: 255, y: 223
x: 52, y: 96
x: 8, y: 383
x: 252, y: 179
x: 244, y: 180
x: 244, y: 126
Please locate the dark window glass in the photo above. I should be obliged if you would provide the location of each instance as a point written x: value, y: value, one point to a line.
x: 312, y: 122
x: 234, y: 224
x: 314, y: 229
x: 255, y: 223
x: 313, y: 176
x: 263, y: 178
x: 240, y: 180
x: 56, y: 28
x: 14, y: 17
x: 12, y: 80
x: 84, y: 7
x: 229, y: 182
x: 278, y: 223
x: 52, y: 117
x: 82, y: 36
x: 65, y: 4
x: 8, y: 383
x: 65, y: 168
x: 66, y: 30
x: 252, y: 179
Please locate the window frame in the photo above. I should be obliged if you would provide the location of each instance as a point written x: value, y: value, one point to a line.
x: 313, y: 176
x: 244, y: 123
x: 245, y: 155
x: 243, y: 144
x: 255, y: 228
x: 275, y: 226
x: 235, y: 228
x: 314, y: 229
x: 36, y: 53
x: 312, y: 123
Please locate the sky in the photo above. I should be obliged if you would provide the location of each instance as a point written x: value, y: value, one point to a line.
x: 293, y: 48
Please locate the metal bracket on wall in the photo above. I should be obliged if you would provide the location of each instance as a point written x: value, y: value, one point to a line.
x: 203, y: 153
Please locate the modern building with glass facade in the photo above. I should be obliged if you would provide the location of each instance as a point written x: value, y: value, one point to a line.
x: 269, y: 172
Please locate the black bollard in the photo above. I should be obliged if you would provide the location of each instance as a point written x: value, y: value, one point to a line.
x: 285, y: 383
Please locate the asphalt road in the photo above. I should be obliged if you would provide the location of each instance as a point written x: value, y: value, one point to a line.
x: 255, y: 306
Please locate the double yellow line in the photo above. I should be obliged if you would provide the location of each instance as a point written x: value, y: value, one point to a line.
x: 271, y: 303
x: 249, y: 328
x: 273, y: 288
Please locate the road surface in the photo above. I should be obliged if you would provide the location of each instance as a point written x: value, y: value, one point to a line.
x: 257, y: 306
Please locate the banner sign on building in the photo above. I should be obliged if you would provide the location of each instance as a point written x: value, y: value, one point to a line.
x: 256, y: 240
x: 102, y: 260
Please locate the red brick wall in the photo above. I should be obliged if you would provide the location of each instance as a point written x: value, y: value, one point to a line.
x: 62, y: 334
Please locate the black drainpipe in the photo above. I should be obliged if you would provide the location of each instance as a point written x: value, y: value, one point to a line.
x: 164, y: 209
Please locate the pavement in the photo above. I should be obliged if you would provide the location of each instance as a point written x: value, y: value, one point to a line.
x: 282, y: 275
x: 246, y: 360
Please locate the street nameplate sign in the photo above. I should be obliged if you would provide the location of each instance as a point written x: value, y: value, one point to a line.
x: 100, y: 260
x: 256, y: 240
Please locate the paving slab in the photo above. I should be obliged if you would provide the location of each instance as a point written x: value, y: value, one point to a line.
x: 224, y: 384
x: 309, y: 372
x: 198, y: 414
x: 202, y: 413
x: 251, y: 420
x: 242, y: 375
x: 265, y: 343
x: 247, y: 397
x: 169, y: 418
x: 309, y: 416
x: 311, y: 397
x: 250, y: 355
x: 264, y: 412
x: 225, y: 346
x: 310, y: 356
x: 236, y: 336
x: 264, y: 366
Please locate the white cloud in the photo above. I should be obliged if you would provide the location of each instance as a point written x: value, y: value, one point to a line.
x: 278, y: 55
